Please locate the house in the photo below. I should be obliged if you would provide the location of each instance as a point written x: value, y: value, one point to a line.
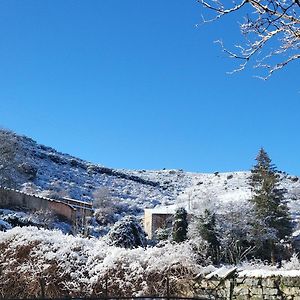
x: 159, y: 217
x: 154, y: 219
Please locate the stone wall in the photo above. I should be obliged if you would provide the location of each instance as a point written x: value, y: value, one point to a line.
x: 15, y: 199
x: 238, y: 287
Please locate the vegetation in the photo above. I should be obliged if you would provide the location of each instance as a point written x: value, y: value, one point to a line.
x: 269, y: 203
x: 127, y: 233
x: 180, y: 225
x: 206, y: 224
x: 8, y: 165
x: 37, y: 263
x: 258, y: 229
x: 271, y: 29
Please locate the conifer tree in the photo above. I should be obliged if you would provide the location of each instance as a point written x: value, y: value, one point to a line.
x: 180, y: 225
x: 269, y: 202
x: 207, y: 230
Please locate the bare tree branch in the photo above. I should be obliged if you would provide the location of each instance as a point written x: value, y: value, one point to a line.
x: 271, y: 24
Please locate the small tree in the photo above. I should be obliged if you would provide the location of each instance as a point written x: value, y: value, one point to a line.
x: 180, y: 225
x: 269, y: 202
x: 127, y: 233
x: 104, y: 205
x: 206, y: 224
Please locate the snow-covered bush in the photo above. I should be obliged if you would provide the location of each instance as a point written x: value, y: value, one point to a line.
x: 162, y: 234
x: 233, y: 232
x: 292, y: 264
x: 127, y: 233
x: 37, y: 262
x: 40, y: 218
x: 105, y: 206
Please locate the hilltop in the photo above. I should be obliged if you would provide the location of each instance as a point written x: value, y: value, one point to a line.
x: 44, y: 171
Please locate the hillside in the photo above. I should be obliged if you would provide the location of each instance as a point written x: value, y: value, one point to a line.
x: 44, y: 171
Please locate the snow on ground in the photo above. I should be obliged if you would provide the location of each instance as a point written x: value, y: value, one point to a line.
x: 55, y: 174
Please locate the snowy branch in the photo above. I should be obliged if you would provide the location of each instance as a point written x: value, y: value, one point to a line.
x: 270, y: 24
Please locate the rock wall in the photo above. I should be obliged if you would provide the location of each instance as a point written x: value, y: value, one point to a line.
x: 255, y: 288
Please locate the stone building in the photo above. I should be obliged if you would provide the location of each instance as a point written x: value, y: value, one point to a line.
x: 161, y: 217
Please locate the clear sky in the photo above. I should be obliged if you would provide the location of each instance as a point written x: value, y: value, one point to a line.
x: 135, y: 84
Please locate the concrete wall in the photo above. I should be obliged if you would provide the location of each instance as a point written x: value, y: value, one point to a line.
x: 16, y: 199
x: 255, y: 288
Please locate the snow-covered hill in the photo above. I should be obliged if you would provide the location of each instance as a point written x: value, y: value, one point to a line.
x: 45, y: 171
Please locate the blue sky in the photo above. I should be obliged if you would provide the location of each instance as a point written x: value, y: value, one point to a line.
x: 135, y: 84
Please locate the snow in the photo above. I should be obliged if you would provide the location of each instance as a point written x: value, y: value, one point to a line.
x: 221, y: 273
x: 83, y: 264
x: 263, y: 273
x: 62, y: 175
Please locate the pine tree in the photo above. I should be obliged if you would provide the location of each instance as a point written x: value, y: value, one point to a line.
x: 269, y: 202
x: 180, y: 225
x: 207, y: 229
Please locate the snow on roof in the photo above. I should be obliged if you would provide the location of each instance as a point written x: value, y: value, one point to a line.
x: 170, y: 209
x: 162, y: 210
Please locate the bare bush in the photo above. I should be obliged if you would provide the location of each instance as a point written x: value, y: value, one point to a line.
x: 105, y: 206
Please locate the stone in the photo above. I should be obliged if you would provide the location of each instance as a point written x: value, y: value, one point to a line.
x: 242, y: 297
x: 288, y: 290
x: 240, y: 291
x: 291, y: 281
x: 270, y: 291
x: 256, y: 297
x: 256, y: 291
x: 227, y: 284
x: 269, y: 282
x: 240, y: 280
x: 252, y: 281
x: 272, y: 297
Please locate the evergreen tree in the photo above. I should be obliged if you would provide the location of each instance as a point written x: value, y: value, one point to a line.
x: 269, y: 202
x: 180, y: 225
x: 127, y: 233
x: 207, y: 230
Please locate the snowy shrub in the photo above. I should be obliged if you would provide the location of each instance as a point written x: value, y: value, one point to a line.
x: 256, y: 264
x: 104, y: 216
x: 292, y: 264
x: 40, y: 263
x: 39, y: 218
x: 4, y: 225
x: 105, y: 206
x: 233, y: 232
x: 162, y: 234
x: 204, y: 226
x: 127, y: 233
